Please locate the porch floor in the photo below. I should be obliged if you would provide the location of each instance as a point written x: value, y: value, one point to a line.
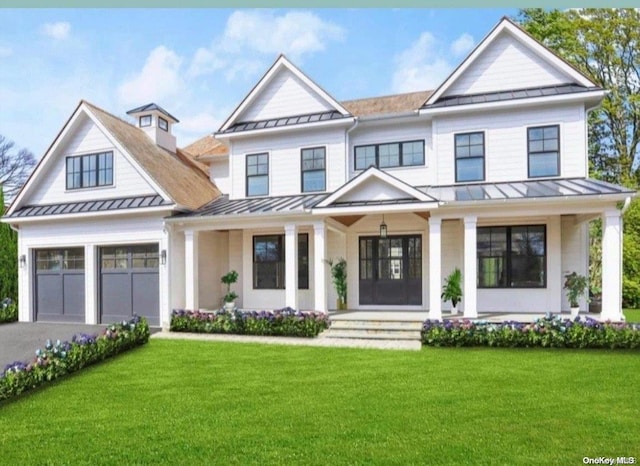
x: 413, y: 316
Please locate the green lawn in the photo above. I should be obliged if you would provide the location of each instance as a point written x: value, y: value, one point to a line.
x: 632, y: 315
x: 188, y: 402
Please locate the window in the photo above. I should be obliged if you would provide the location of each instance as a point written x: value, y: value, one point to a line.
x: 88, y: 171
x: 257, y: 175
x: 60, y: 259
x: 396, y: 154
x: 163, y: 124
x: 145, y: 121
x: 269, y: 262
x: 313, y: 169
x: 469, y: 150
x: 512, y: 257
x: 544, y: 151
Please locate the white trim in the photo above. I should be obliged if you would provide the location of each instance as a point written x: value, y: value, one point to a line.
x: 83, y: 215
x: 396, y: 208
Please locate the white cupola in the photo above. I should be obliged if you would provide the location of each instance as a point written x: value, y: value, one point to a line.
x: 156, y: 122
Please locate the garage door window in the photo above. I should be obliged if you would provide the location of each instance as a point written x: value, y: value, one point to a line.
x: 144, y: 257
x: 60, y: 259
x: 131, y: 257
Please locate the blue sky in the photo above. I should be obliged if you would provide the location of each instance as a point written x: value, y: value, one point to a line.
x: 199, y: 63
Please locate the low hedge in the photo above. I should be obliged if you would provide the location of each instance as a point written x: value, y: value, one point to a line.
x: 61, y: 358
x: 282, y: 322
x: 8, y: 313
x: 549, y: 331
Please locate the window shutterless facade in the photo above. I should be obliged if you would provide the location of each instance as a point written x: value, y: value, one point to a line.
x: 313, y: 169
x: 163, y: 124
x: 269, y: 262
x: 470, y: 154
x: 145, y: 120
x: 258, y: 174
x: 389, y: 155
x: 543, y: 148
x: 88, y: 171
x: 512, y: 256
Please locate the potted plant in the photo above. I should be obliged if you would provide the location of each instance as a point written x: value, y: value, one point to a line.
x: 339, y: 277
x: 230, y: 298
x: 576, y: 286
x: 452, y: 290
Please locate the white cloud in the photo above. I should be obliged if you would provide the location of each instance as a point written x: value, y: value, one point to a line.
x: 57, y: 31
x: 462, y: 44
x: 160, y: 78
x: 421, y: 66
x: 5, y: 52
x: 200, y: 123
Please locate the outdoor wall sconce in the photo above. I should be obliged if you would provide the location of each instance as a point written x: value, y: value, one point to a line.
x: 23, y: 261
x: 163, y: 257
x: 383, y: 228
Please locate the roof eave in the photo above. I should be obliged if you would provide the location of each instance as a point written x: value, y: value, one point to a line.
x: 83, y: 215
x: 316, y: 124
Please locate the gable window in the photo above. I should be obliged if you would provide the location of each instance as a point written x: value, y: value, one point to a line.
x: 544, y: 151
x: 269, y: 262
x: 313, y: 166
x: 88, y: 171
x: 469, y: 149
x: 512, y: 257
x: 163, y: 124
x: 145, y: 121
x: 258, y: 174
x: 389, y: 155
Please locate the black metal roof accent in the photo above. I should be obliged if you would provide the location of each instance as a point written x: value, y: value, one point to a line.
x: 102, y: 205
x: 363, y: 203
x: 257, y: 205
x: 285, y: 121
x: 515, y: 94
x: 150, y: 107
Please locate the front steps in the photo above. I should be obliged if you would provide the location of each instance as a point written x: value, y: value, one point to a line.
x: 385, y: 327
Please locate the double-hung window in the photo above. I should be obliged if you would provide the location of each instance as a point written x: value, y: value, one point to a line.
x: 469, y: 149
x: 88, y: 171
x: 313, y: 167
x: 258, y: 174
x: 544, y: 151
x: 389, y: 155
x: 269, y: 262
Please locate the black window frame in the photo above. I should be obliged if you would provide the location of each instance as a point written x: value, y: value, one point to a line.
x: 143, y: 121
x: 529, y: 152
x: 483, y: 157
x: 508, y: 258
x: 166, y: 124
x: 247, y: 176
x: 400, y: 154
x: 303, y: 262
x: 95, y: 171
x: 313, y: 170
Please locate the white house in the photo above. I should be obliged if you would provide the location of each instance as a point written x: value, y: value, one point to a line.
x: 487, y: 173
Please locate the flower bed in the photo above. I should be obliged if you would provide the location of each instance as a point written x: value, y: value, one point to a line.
x: 61, y: 358
x: 549, y: 331
x: 282, y: 322
x: 8, y: 311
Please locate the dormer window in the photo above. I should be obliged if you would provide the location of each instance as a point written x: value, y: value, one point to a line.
x: 90, y: 171
x: 163, y: 124
x: 145, y: 120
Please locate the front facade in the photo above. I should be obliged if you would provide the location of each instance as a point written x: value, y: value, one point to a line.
x: 488, y: 174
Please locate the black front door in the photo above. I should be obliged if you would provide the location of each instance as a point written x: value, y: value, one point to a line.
x: 391, y: 270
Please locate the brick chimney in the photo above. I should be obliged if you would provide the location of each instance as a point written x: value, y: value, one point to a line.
x: 156, y: 122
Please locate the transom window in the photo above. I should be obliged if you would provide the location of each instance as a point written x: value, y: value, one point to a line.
x: 544, y: 151
x: 388, y: 155
x: 313, y: 166
x: 512, y: 257
x: 60, y: 259
x: 163, y: 124
x: 269, y: 262
x: 88, y: 171
x: 258, y: 174
x: 469, y: 148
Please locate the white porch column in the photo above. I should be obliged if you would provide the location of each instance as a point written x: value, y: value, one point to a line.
x: 191, y: 269
x: 611, y: 266
x: 470, y: 272
x: 319, y: 267
x: 291, y: 265
x: 435, y: 268
x: 90, y: 285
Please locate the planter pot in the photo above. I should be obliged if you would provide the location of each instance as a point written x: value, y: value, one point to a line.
x: 230, y: 306
x: 574, y: 312
x: 454, y: 310
x: 341, y: 305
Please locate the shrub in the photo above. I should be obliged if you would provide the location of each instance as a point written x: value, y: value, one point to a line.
x: 549, y: 331
x: 8, y: 311
x: 282, y: 322
x: 61, y: 358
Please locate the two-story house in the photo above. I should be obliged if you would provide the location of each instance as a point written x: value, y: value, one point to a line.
x: 487, y: 173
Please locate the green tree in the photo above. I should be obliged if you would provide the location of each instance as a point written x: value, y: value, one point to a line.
x: 8, y: 258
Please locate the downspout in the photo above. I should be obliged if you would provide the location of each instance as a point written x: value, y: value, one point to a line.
x: 346, y: 147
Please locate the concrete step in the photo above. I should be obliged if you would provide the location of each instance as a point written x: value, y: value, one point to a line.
x: 378, y: 334
x: 375, y: 325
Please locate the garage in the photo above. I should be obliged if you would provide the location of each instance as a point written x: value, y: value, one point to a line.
x: 59, y: 285
x: 129, y: 283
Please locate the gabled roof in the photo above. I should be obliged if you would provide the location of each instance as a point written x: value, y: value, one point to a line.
x: 506, y: 25
x: 150, y: 107
x: 205, y: 147
x: 281, y: 63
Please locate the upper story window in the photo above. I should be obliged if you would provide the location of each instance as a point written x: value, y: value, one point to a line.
x: 163, y: 124
x: 388, y: 155
x: 544, y: 151
x: 313, y: 166
x: 145, y: 121
x: 258, y: 174
x: 88, y: 171
x: 469, y: 149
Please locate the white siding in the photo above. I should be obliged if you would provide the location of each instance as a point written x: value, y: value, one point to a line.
x: 452, y: 250
x: 285, y: 95
x: 575, y: 253
x: 213, y: 260
x: 87, y: 138
x: 506, y: 64
x: 506, y: 156
x: 219, y: 174
x: 236, y: 263
x: 336, y: 248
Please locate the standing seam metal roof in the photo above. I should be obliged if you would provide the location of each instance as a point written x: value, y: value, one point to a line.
x: 101, y: 205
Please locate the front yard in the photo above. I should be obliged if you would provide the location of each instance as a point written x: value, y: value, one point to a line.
x: 186, y: 402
